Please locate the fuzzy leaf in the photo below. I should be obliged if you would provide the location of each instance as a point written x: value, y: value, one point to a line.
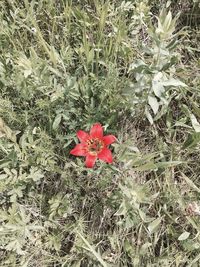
x: 184, y: 236
x: 195, y: 123
x: 153, y: 226
x: 174, y: 82
x: 153, y: 104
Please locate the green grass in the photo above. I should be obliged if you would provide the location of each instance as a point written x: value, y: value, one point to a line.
x: 133, y: 67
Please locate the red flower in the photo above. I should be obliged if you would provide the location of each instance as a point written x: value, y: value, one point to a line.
x: 94, y: 145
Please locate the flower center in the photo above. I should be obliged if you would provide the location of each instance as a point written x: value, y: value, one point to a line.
x: 94, y: 146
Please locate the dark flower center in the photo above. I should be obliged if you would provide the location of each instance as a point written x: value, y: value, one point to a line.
x: 94, y: 146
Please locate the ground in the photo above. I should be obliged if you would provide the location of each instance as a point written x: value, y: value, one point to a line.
x: 132, y: 66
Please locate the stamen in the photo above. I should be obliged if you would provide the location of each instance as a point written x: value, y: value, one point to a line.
x: 94, y: 146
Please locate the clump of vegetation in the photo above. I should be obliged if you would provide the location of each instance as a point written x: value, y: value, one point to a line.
x: 133, y: 67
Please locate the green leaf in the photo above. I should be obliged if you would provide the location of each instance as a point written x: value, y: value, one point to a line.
x: 153, y: 104
x: 93, y: 251
x: 153, y: 226
x: 146, y: 167
x: 122, y: 209
x: 57, y: 121
x: 158, y: 88
x: 190, y: 183
x: 5, y: 130
x: 15, y: 245
x: 184, y: 236
x: 148, y: 115
x: 167, y: 164
x: 192, y: 141
x: 173, y: 82
x: 167, y: 22
x: 138, y: 66
x: 35, y: 174
x: 153, y: 166
x: 144, y: 248
x: 195, y: 123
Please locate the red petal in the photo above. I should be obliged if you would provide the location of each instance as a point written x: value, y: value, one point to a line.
x: 90, y: 161
x: 79, y: 150
x: 105, y: 155
x: 82, y: 136
x: 96, y: 131
x: 109, y: 139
